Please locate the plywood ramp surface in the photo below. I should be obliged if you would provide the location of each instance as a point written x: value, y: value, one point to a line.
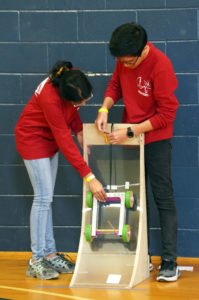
x: 107, y: 259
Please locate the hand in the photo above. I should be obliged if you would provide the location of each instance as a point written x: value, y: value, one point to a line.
x: 80, y: 141
x: 80, y: 138
x: 97, y: 190
x: 89, y: 149
x: 101, y: 121
x: 117, y: 136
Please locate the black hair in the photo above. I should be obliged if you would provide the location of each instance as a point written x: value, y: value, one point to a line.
x: 73, y: 84
x: 128, y: 40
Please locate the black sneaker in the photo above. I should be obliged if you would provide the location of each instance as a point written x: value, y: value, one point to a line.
x: 61, y: 264
x: 169, y: 271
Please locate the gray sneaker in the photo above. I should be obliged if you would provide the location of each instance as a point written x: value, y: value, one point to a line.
x: 41, y: 270
x: 61, y: 264
x: 169, y: 271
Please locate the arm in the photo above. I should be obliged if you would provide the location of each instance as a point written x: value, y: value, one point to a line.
x: 118, y: 136
x: 142, y: 127
x: 112, y: 95
x: 77, y: 127
x: 76, y: 123
x: 164, y: 85
x: 52, y: 110
x: 62, y: 133
x: 102, y: 117
x: 114, y: 90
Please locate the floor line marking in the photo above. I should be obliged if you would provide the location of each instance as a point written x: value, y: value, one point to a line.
x: 91, y: 287
x: 42, y: 292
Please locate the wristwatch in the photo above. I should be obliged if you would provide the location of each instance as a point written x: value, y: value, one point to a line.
x: 129, y: 132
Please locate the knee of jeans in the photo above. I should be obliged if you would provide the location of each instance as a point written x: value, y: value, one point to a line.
x: 44, y: 200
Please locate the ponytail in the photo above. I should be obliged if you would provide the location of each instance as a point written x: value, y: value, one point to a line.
x: 73, y: 84
x: 58, y: 71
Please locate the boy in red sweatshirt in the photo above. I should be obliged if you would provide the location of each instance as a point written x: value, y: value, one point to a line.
x: 145, y: 79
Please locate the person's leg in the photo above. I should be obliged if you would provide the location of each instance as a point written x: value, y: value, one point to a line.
x: 148, y: 217
x: 49, y: 239
x: 57, y: 261
x: 158, y: 162
x: 147, y: 205
x: 39, y: 171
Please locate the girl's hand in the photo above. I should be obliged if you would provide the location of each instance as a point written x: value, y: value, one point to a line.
x: 80, y: 138
x: 80, y: 141
x: 97, y: 190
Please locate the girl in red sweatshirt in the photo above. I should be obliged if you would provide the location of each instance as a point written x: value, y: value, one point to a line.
x: 43, y: 128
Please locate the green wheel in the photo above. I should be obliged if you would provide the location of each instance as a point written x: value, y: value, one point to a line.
x: 89, y: 199
x: 126, y: 233
x: 88, y: 233
x: 129, y: 199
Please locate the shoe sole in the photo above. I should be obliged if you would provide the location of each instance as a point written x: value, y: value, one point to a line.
x: 150, y: 267
x: 71, y: 271
x: 65, y: 272
x: 168, y: 279
x: 33, y: 275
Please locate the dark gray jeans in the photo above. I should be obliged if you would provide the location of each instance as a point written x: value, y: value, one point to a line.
x: 158, y: 172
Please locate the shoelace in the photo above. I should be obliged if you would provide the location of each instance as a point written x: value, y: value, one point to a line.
x: 66, y: 258
x: 45, y: 264
x: 167, y: 265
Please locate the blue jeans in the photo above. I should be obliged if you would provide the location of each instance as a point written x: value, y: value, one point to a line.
x: 42, y: 173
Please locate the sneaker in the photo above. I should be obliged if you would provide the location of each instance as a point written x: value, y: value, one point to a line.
x: 40, y: 269
x: 61, y: 264
x: 150, y: 265
x: 169, y: 271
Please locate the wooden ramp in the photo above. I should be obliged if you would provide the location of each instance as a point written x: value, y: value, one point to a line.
x: 106, y: 257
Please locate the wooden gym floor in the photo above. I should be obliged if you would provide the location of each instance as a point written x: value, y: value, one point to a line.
x: 14, y: 284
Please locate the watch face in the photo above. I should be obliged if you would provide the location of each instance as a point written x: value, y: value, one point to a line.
x: 130, y: 133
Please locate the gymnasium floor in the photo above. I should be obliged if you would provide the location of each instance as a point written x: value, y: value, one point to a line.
x: 14, y: 285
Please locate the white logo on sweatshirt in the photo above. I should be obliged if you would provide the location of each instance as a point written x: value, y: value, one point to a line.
x: 40, y: 87
x: 143, y: 86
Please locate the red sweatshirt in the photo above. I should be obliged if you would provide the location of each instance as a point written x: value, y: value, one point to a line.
x: 148, y: 93
x: 45, y: 126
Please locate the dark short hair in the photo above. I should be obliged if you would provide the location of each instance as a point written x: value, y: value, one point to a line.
x: 72, y: 83
x: 128, y: 40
